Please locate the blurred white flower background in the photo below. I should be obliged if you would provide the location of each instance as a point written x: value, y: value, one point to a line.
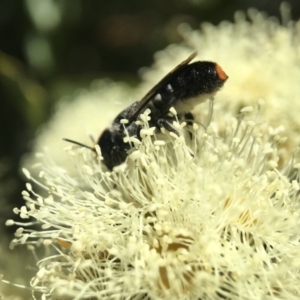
x: 91, y: 111
x: 261, y: 58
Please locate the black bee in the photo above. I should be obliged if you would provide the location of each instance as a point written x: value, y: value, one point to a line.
x: 183, y: 88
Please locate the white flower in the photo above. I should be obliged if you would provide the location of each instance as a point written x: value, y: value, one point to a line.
x: 208, y: 215
x: 88, y: 113
x: 261, y: 58
x: 212, y: 220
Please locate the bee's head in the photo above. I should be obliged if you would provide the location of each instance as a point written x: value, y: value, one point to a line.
x: 113, y: 148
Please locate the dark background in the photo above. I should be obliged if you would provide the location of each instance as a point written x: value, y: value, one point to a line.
x: 50, y: 48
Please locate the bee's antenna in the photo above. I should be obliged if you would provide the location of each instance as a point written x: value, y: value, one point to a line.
x: 79, y: 144
x: 92, y: 138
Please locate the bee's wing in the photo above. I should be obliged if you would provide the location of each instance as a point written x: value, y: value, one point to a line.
x: 144, y: 101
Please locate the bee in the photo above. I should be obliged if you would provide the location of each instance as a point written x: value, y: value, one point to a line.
x: 186, y: 86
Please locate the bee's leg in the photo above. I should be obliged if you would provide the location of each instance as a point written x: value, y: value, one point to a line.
x: 167, y: 125
x: 189, y: 119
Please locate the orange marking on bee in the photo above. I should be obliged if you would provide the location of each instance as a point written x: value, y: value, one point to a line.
x: 222, y: 75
